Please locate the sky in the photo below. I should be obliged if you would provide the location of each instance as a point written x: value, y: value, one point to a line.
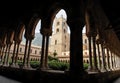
x: 61, y: 12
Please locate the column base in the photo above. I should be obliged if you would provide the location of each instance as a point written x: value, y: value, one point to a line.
x: 93, y: 71
x: 108, y: 69
x: 90, y: 69
x: 14, y: 65
x: 26, y: 67
x: 43, y: 68
x: 112, y: 69
x: 117, y: 68
x: 77, y: 76
x: 104, y: 70
x: 6, y: 65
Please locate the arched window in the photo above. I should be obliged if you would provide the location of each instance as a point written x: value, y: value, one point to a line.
x: 58, y: 23
x: 55, y: 42
x: 57, y: 30
x: 35, y: 51
x: 87, y: 61
x: 85, y: 41
x: 20, y: 49
x: 64, y: 31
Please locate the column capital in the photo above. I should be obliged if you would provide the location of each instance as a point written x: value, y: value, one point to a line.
x: 104, y: 46
x: 91, y: 34
x: 102, y: 41
x: 98, y: 41
x: 28, y: 36
x: 88, y: 34
x: 94, y: 35
x: 46, y: 32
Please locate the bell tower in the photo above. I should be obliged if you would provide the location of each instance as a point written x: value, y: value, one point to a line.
x: 60, y: 38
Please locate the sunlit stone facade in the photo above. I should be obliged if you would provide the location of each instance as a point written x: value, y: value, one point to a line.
x: 34, y: 53
x: 60, y: 41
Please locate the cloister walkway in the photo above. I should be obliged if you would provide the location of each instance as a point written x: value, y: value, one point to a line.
x: 10, y: 75
x: 7, y: 80
x: 117, y: 80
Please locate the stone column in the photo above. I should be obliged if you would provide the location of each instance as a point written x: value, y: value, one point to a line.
x: 5, y: 56
x: 2, y: 52
x: 103, y: 58
x: 76, y: 48
x: 94, y: 53
x: 16, y: 57
x: 46, y: 52
x: 28, y: 56
x: 42, y: 65
x: 117, y: 62
x: 108, y: 58
x: 99, y: 57
x: 46, y: 32
x: 112, y: 61
x: 13, y: 57
x: 90, y: 55
x: 91, y: 28
x: 8, y: 56
x: 25, y: 54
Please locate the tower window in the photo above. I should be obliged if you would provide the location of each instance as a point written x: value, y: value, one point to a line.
x: 57, y: 30
x: 20, y: 49
x: 64, y: 30
x: 85, y: 41
x: 58, y: 23
x: 55, y: 42
x: 85, y: 53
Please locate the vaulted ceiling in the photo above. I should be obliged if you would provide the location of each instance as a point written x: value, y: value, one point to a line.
x: 11, y: 12
x: 111, y: 9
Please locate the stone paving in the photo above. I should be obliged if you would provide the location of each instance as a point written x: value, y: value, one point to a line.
x: 117, y: 80
x: 7, y: 80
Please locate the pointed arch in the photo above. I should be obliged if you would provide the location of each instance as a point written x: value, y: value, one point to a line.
x: 19, y: 32
x: 52, y: 11
x: 30, y: 30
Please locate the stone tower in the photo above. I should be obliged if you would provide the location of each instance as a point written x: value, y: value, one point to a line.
x: 60, y: 38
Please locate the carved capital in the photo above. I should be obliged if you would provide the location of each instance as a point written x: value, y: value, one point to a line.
x: 46, y: 32
x: 98, y: 41
x: 88, y: 34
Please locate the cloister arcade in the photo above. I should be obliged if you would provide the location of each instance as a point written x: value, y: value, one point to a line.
x: 102, y: 29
